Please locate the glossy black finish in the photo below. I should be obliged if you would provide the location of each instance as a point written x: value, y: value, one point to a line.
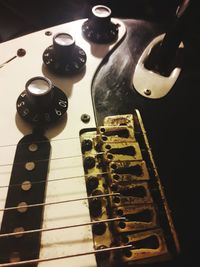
x: 171, y: 123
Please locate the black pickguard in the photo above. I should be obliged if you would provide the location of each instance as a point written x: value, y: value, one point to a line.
x: 171, y: 123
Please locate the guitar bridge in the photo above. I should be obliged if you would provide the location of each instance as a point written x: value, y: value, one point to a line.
x: 118, y: 161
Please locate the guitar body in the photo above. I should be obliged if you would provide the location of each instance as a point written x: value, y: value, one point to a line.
x: 171, y: 122
x: 104, y: 88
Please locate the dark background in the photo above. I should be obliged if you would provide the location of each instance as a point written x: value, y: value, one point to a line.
x: 18, y: 17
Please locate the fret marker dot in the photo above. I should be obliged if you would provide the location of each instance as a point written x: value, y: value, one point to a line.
x: 30, y: 166
x: 22, y: 207
x: 26, y: 186
x: 17, y: 230
x: 33, y: 147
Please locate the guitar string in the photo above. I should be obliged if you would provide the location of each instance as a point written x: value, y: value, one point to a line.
x: 41, y: 142
x: 46, y: 159
x: 53, y: 180
x: 58, y: 158
x: 50, y: 203
x: 33, y: 231
x: 63, y: 139
x: 19, y: 263
x: 24, y: 206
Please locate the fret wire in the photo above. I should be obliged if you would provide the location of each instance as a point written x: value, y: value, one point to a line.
x: 66, y: 256
x: 59, y: 202
x: 53, y: 180
x: 61, y: 227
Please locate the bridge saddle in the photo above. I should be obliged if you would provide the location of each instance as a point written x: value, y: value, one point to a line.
x: 118, y: 161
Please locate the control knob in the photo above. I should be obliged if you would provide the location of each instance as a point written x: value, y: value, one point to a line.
x: 99, y: 28
x: 41, y: 102
x: 64, y: 56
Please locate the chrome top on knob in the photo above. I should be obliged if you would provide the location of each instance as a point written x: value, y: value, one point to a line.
x: 64, y: 56
x: 101, y: 14
x: 64, y: 47
x: 99, y: 27
x: 41, y: 102
x: 39, y: 92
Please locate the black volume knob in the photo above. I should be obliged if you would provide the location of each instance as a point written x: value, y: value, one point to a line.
x: 41, y: 102
x: 64, y: 56
x: 99, y: 28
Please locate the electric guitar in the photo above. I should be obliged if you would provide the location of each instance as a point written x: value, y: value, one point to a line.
x: 78, y: 181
